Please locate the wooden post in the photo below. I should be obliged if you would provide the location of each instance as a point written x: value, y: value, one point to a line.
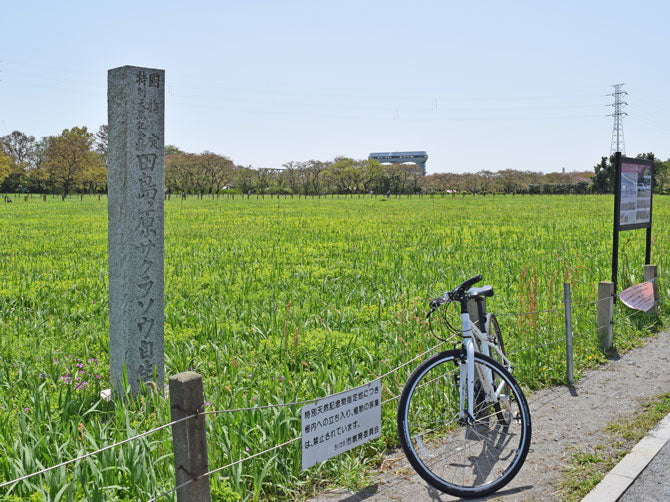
x: 651, y: 274
x: 605, y: 314
x: 189, y: 441
x: 568, y: 333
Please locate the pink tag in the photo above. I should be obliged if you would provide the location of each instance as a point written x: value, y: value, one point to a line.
x: 639, y: 297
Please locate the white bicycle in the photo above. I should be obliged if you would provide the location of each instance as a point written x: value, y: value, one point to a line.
x: 463, y: 420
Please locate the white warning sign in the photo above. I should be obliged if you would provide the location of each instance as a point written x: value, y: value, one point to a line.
x: 639, y: 297
x: 340, y: 422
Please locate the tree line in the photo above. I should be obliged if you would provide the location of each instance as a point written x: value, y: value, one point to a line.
x: 75, y: 162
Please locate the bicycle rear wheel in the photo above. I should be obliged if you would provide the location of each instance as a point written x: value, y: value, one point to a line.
x: 493, y: 330
x: 502, y: 408
x: 465, y: 458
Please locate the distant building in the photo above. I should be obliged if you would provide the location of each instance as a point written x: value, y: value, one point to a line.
x: 418, y: 158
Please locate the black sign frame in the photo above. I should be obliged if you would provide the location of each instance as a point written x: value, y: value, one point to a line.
x: 618, y: 226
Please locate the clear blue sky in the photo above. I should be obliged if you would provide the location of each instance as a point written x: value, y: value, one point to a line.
x: 478, y: 85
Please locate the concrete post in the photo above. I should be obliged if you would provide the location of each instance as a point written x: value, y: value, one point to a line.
x: 605, y: 314
x: 189, y: 437
x: 651, y: 274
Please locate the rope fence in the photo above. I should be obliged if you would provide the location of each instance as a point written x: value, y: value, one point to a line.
x: 210, y: 412
x: 232, y: 464
x: 108, y: 447
x: 200, y: 412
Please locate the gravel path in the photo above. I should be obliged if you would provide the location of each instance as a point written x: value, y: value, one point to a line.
x: 562, y: 418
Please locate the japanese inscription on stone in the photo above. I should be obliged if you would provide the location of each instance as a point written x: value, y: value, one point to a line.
x: 135, y: 184
x: 340, y: 422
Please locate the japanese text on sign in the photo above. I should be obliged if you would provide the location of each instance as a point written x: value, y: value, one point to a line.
x: 340, y: 422
x: 639, y: 297
x: 635, y: 194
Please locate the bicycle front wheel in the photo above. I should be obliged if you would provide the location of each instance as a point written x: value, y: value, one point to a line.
x: 460, y: 455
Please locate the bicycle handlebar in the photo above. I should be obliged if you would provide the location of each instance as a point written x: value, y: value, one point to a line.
x: 453, y: 294
x: 470, y: 282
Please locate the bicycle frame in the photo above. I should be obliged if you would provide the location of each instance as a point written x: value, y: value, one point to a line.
x: 475, y: 340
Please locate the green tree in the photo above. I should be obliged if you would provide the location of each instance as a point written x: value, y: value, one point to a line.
x: 314, y: 170
x: 19, y: 147
x: 179, y: 174
x: 510, y: 181
x: 603, y: 181
x: 101, y: 142
x: 172, y: 150
x: 293, y: 175
x: 38, y: 180
x: 346, y: 175
x: 662, y: 176
x: 219, y: 171
x: 660, y: 170
x: 372, y: 175
x: 69, y: 158
x: 245, y: 179
x: 6, y: 166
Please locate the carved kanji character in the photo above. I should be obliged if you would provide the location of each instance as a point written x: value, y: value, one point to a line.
x: 147, y: 161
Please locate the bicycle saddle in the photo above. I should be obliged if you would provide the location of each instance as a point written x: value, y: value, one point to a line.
x: 480, y: 292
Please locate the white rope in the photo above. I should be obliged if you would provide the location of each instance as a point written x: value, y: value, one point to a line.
x: 560, y: 309
x: 307, y: 401
x: 224, y: 467
x: 109, y: 447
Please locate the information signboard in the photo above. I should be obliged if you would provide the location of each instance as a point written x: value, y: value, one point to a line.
x: 635, y: 189
x: 340, y: 422
x: 632, y: 203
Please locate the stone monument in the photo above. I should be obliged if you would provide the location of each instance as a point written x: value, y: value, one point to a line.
x: 135, y: 180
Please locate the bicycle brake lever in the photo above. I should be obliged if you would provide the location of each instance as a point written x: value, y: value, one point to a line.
x: 434, y: 304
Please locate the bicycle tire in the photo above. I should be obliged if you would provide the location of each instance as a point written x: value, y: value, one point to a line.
x: 461, y: 458
x: 495, y: 336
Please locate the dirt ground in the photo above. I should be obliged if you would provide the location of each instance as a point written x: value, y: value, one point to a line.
x: 562, y: 418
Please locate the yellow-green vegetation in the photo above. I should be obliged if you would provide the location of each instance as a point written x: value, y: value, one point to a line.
x: 588, y: 467
x: 278, y: 300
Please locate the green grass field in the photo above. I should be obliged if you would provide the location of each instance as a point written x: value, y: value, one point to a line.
x: 279, y: 300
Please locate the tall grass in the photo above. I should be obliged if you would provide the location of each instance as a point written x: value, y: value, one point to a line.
x: 275, y: 301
